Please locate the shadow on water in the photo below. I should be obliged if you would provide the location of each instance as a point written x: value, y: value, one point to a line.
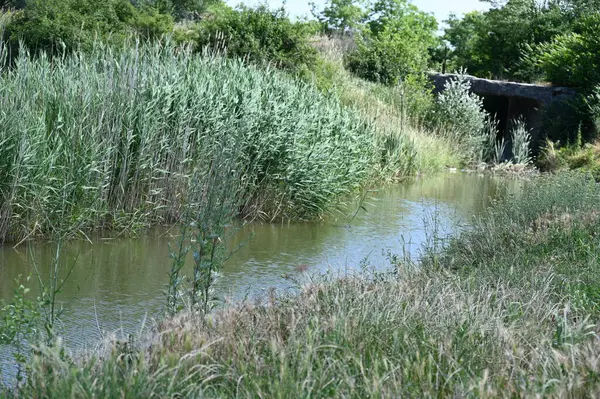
x: 118, y: 282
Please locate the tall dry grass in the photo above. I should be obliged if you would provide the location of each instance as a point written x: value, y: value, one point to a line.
x: 399, y: 113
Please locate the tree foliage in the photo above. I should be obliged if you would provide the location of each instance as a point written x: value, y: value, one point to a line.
x: 342, y: 16
x: 393, y: 43
x: 182, y: 9
x: 63, y: 25
x: 258, y: 35
x: 573, y: 59
x: 492, y: 43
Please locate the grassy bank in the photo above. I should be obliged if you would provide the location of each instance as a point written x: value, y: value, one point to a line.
x: 578, y: 156
x: 509, y: 309
x: 398, y: 113
x: 112, y: 139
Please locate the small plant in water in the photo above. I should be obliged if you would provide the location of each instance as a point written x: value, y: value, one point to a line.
x: 19, y: 320
x: 215, y: 196
x: 521, y: 140
x: 49, y: 291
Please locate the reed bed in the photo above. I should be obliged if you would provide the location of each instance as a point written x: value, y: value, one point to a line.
x: 111, y: 138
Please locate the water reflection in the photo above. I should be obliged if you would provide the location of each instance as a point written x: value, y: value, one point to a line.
x: 117, y: 282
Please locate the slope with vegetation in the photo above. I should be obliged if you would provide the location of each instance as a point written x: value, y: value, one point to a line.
x: 110, y: 135
x: 200, y: 114
x: 115, y: 137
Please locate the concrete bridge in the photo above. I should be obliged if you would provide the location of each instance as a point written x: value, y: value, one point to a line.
x: 510, y: 100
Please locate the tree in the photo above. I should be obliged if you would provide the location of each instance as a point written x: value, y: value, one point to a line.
x: 573, y: 59
x: 385, y: 13
x: 490, y: 44
x: 182, y: 9
x: 394, y: 43
x: 464, y: 35
x: 341, y: 16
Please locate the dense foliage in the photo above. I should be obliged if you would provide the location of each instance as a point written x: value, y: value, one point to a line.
x: 527, y: 40
x: 462, y: 115
x: 181, y: 9
x: 65, y: 25
x: 340, y: 16
x: 572, y: 59
x: 258, y: 35
x: 393, y: 43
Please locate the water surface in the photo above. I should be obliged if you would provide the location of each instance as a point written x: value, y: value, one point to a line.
x: 118, y: 282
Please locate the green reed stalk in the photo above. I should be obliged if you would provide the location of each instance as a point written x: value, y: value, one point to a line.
x: 110, y: 139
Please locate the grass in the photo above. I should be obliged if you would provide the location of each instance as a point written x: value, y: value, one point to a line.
x: 112, y: 138
x: 583, y: 157
x: 428, y: 151
x: 508, y: 309
x: 398, y: 112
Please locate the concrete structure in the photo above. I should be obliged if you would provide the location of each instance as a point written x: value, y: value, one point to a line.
x: 510, y: 100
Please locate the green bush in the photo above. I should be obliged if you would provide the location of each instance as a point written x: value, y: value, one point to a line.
x: 460, y: 113
x: 182, y: 9
x: 322, y: 74
x: 573, y: 59
x: 260, y: 36
x: 148, y: 23
x: 55, y: 26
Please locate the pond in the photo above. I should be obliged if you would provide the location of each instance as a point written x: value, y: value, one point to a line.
x: 118, y: 282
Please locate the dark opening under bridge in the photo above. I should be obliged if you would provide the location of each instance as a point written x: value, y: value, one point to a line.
x: 510, y: 100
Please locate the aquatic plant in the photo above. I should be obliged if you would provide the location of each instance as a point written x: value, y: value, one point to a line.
x: 19, y: 319
x: 521, y: 142
x: 110, y: 139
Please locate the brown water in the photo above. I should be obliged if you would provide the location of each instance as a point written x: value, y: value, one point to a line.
x: 118, y: 282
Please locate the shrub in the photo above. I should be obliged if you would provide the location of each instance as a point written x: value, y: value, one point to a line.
x: 64, y: 25
x: 521, y: 142
x: 393, y: 48
x: 148, y: 23
x: 461, y: 112
x: 573, y: 59
x: 260, y: 36
x: 182, y: 9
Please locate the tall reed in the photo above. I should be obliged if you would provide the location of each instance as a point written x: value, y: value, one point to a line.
x: 109, y: 139
x: 521, y: 142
